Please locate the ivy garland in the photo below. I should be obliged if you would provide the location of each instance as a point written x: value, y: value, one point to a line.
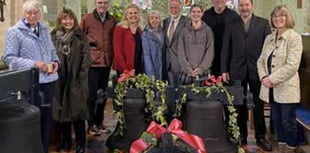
x: 152, y: 88
x: 217, y: 86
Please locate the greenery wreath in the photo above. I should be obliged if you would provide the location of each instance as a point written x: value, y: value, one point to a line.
x: 156, y: 88
x: 215, y: 85
x: 153, y: 88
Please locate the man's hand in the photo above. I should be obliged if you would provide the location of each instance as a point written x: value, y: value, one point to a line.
x: 225, y: 77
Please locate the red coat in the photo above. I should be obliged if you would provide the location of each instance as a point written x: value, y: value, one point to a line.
x: 124, y: 49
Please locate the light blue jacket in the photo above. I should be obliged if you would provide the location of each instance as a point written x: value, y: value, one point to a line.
x: 152, y: 49
x: 23, y: 48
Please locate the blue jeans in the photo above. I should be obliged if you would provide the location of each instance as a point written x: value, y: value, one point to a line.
x: 284, y: 122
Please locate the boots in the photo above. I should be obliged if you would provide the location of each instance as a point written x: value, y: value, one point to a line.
x: 80, y: 149
x: 65, y: 144
x: 281, y: 147
x: 290, y: 149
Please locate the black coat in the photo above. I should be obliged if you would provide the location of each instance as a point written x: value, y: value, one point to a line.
x: 241, y: 49
x: 70, y: 101
x: 217, y: 22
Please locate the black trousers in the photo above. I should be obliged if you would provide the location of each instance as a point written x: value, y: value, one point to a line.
x: 79, y: 129
x: 47, y: 91
x: 98, y: 78
x: 258, y: 111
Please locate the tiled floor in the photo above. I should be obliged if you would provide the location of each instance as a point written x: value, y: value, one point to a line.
x: 96, y: 144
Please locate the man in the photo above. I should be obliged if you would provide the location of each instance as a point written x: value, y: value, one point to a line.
x: 98, y: 26
x: 217, y: 17
x: 242, y: 44
x: 28, y: 44
x: 172, y: 27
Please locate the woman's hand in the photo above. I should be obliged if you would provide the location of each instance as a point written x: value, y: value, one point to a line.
x: 195, y: 72
x: 41, y: 65
x: 55, y: 66
x: 47, y: 68
x: 267, y: 83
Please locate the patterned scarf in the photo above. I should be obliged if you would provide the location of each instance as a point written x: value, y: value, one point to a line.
x: 64, y: 40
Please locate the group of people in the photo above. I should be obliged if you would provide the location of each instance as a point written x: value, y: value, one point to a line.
x: 75, y: 60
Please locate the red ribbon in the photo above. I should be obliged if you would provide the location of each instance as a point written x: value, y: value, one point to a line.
x: 213, y: 80
x: 175, y: 128
x: 126, y: 74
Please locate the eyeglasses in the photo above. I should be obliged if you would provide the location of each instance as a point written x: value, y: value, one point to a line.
x: 278, y: 16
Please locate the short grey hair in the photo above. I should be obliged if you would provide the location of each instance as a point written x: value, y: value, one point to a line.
x: 32, y: 4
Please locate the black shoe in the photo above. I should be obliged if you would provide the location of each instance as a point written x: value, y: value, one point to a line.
x: 80, y: 149
x: 64, y: 146
x: 94, y: 130
x: 243, y: 141
x: 264, y: 144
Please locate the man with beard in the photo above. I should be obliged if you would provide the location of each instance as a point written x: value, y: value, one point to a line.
x: 217, y: 17
x: 242, y: 44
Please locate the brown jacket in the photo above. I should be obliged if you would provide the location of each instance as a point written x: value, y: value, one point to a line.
x: 70, y: 99
x: 100, y: 37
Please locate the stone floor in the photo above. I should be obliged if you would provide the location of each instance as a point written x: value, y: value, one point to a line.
x: 96, y: 144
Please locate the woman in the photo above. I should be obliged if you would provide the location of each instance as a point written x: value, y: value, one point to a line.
x: 153, y: 45
x: 127, y: 42
x: 278, y: 71
x: 195, y: 46
x: 70, y: 103
x: 28, y: 44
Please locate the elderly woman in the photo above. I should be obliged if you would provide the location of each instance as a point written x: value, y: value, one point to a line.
x: 28, y: 44
x: 278, y: 71
x: 153, y: 46
x: 127, y: 42
x: 195, y: 47
x: 70, y: 104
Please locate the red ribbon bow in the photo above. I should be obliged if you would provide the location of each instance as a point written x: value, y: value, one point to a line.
x: 213, y: 80
x: 126, y: 74
x: 175, y: 128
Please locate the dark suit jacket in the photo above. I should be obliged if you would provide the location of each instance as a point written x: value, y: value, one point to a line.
x: 241, y: 49
x: 170, y: 57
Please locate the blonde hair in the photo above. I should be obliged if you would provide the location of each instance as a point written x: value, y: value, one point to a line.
x: 124, y: 22
x: 32, y: 4
x: 282, y: 9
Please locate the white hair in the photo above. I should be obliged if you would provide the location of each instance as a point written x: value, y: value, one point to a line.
x: 32, y: 4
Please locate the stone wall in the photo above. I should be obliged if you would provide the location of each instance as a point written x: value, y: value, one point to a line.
x: 301, y: 15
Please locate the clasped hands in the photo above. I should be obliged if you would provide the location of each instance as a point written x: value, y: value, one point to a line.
x: 48, y: 68
x: 265, y: 81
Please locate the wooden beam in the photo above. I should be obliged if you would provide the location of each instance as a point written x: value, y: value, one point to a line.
x: 299, y: 4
